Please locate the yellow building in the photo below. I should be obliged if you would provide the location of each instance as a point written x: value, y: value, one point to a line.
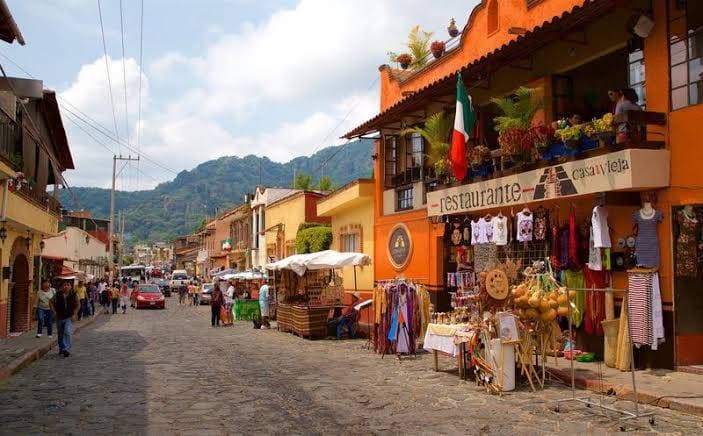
x: 351, y: 211
x: 284, y: 217
x: 34, y: 151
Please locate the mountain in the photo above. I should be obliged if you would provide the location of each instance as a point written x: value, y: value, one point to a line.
x: 177, y: 207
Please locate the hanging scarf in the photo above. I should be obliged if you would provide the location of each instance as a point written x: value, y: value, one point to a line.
x: 595, y: 301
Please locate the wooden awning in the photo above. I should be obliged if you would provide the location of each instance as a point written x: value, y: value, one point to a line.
x: 481, y: 68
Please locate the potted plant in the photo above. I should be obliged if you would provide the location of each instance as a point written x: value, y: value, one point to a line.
x: 419, y: 46
x: 436, y: 132
x: 604, y: 130
x: 452, y: 29
x: 404, y: 59
x: 570, y: 136
x: 541, y: 137
x: 437, y: 48
x: 478, y: 155
x: 518, y: 109
x: 589, y: 136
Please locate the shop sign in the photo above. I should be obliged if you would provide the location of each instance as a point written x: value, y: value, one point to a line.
x: 400, y: 246
x: 621, y: 170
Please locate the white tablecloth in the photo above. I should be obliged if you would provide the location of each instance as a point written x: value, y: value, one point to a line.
x: 445, y: 344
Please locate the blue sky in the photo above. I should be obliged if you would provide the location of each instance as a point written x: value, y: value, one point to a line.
x: 219, y: 77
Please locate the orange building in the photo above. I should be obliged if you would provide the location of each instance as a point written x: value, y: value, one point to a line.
x: 573, y: 52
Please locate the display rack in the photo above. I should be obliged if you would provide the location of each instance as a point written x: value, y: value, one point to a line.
x: 627, y: 415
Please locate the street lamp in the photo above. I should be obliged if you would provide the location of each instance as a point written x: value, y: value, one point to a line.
x: 3, y: 234
x: 87, y: 239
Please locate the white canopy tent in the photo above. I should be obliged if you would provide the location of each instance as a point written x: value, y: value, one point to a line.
x: 300, y: 263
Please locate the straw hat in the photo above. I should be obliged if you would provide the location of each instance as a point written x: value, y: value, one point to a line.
x: 497, y: 284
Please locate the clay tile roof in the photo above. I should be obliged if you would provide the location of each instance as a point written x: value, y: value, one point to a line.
x: 480, y: 68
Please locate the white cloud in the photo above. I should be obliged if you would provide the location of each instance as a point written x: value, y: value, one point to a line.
x: 274, y: 88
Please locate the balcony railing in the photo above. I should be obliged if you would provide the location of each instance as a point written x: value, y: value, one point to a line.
x: 40, y: 198
x: 637, y: 137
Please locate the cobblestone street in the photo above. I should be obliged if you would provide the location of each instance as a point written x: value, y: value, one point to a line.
x: 168, y: 371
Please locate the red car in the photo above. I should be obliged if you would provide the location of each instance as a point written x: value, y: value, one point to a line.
x: 149, y: 296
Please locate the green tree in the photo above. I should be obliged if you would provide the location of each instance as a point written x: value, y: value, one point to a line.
x: 436, y: 132
x: 127, y: 260
x: 302, y: 181
x: 325, y: 184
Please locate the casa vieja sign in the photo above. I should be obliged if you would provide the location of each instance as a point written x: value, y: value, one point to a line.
x: 621, y: 170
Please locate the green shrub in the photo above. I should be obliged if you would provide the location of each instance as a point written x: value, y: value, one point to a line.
x: 313, y: 239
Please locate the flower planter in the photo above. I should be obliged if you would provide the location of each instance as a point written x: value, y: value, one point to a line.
x: 437, y: 53
x: 571, y: 145
x: 589, y: 143
x: 452, y: 29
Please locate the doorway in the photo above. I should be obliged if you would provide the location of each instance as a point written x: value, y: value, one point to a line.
x: 19, y: 295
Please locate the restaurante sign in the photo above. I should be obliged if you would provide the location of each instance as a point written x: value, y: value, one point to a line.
x: 620, y: 170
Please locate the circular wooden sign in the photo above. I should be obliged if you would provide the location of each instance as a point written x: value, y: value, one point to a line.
x: 399, y: 246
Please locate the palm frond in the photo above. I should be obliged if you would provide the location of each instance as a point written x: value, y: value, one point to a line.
x: 436, y: 132
x: 419, y: 46
x: 518, y: 109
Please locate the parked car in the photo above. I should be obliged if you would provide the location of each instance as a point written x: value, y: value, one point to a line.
x: 206, y: 293
x: 164, y: 286
x: 149, y: 296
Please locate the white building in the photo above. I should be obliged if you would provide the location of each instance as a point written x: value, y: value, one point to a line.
x: 263, y: 197
x: 79, y: 250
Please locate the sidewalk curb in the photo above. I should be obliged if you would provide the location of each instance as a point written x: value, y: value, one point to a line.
x: 26, y: 359
x: 624, y: 392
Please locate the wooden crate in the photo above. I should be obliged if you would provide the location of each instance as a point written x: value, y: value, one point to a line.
x: 308, y: 322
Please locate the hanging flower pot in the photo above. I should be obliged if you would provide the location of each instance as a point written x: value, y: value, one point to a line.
x: 404, y: 60
x: 437, y: 48
x: 452, y: 29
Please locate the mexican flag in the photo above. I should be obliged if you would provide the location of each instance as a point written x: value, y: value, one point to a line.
x: 464, y: 120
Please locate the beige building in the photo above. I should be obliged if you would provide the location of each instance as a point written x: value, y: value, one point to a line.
x: 79, y: 250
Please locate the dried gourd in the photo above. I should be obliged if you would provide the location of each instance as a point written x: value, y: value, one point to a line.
x: 563, y: 311
x: 553, y: 304
x: 544, y: 305
x: 549, y: 315
x: 562, y: 299
x: 531, y: 313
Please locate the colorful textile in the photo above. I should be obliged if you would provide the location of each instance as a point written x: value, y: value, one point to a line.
x: 576, y: 279
x: 686, y: 246
x: 246, y: 310
x: 595, y: 301
x: 639, y: 302
x: 445, y: 344
x: 647, y: 241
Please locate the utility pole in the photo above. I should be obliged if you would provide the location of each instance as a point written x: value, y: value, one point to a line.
x: 111, y: 233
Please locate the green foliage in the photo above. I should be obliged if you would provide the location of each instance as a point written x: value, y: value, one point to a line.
x: 302, y: 181
x: 436, y: 132
x: 127, y: 260
x: 313, y: 239
x: 518, y: 109
x: 419, y: 46
x: 201, y: 226
x: 303, y: 226
x: 177, y: 207
x: 325, y: 184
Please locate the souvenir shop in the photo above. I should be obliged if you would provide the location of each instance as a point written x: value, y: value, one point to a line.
x: 558, y: 275
x: 308, y: 290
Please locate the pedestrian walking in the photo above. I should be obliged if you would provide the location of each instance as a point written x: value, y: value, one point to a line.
x: 191, y: 293
x: 216, y: 302
x: 92, y: 297
x: 66, y: 306
x: 264, y: 305
x: 124, y: 297
x: 104, y: 292
x: 182, y: 292
x: 115, y: 296
x: 44, y: 314
x: 82, y: 294
x: 196, y: 294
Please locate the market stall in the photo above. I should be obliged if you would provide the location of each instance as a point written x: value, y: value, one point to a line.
x: 309, y: 289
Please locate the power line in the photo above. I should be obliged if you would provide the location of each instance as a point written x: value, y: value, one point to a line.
x: 358, y: 102
x: 101, y: 129
x: 105, y: 146
x: 124, y: 77
x: 107, y: 69
x: 141, y: 62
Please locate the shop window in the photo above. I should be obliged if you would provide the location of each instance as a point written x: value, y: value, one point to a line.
x: 686, y: 52
x: 636, y: 72
x: 350, y: 243
x: 391, y: 159
x: 492, y: 17
x: 415, y: 151
x: 405, y: 198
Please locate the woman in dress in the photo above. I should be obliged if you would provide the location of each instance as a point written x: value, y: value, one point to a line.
x: 216, y: 303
